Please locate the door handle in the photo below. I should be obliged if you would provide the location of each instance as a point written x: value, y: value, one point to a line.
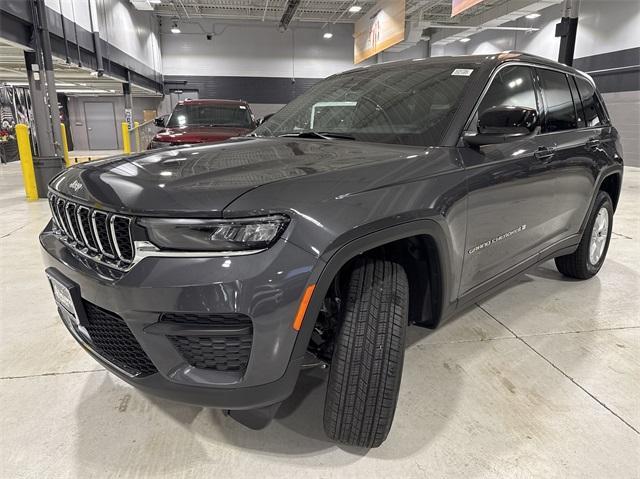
x: 592, y: 144
x: 544, y: 153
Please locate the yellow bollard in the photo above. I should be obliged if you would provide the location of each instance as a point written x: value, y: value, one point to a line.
x: 126, y: 140
x: 65, y: 144
x: 26, y: 162
x: 136, y: 129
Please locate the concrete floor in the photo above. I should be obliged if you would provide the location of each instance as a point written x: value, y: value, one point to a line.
x: 542, y: 380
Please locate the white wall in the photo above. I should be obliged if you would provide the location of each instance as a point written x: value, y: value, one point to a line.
x: 256, y: 50
x: 603, y: 26
x: 134, y: 32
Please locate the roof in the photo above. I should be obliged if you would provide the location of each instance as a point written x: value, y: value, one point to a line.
x: 212, y: 101
x: 489, y: 61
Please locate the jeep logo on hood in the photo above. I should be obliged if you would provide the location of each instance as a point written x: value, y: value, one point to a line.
x: 75, y: 185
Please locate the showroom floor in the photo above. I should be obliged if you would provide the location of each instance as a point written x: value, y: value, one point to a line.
x: 541, y: 380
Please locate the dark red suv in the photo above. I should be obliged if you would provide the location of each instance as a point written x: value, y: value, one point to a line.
x: 204, y: 121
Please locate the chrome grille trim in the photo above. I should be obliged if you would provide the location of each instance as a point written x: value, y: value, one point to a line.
x: 96, y: 231
x: 85, y: 230
x: 61, y: 215
x: 70, y: 214
x: 81, y: 227
x: 113, y: 235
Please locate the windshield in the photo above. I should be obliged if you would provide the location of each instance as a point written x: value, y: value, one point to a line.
x: 410, y: 105
x: 210, y: 115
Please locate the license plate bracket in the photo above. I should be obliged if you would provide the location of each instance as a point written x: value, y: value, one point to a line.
x: 67, y: 296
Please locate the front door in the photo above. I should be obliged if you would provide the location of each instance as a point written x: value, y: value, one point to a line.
x: 100, y: 118
x: 511, y: 189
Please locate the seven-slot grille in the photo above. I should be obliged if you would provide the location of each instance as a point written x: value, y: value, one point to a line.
x: 103, y: 236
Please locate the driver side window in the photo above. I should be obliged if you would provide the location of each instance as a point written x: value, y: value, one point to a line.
x: 512, y: 86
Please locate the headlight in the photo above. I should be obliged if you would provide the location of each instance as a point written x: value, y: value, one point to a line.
x: 215, y: 235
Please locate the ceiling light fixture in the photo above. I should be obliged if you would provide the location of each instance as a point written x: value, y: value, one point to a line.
x: 465, y: 40
x: 355, y: 8
x: 174, y: 28
x: 155, y: 2
x: 532, y: 16
x: 327, y: 35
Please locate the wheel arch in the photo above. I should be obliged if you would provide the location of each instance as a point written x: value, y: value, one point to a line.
x: 612, y: 184
x: 426, y: 233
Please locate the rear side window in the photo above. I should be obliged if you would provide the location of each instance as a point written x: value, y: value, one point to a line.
x: 561, y: 114
x: 512, y: 86
x: 577, y: 102
x: 593, y: 109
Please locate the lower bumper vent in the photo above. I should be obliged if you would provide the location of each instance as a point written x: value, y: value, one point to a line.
x: 226, y: 345
x: 112, y: 339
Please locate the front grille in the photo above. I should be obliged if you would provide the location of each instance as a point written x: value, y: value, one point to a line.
x: 112, y: 339
x: 222, y: 350
x: 102, y: 236
x: 222, y: 353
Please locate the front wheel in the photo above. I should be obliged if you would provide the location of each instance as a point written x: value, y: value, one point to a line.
x: 587, y: 260
x: 366, y: 367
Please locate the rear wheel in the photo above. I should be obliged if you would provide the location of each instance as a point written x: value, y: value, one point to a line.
x: 587, y: 260
x: 366, y: 366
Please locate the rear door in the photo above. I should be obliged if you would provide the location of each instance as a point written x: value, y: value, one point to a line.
x: 577, y: 144
x: 511, y: 188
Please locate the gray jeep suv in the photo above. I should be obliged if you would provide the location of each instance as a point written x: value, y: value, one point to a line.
x: 385, y: 196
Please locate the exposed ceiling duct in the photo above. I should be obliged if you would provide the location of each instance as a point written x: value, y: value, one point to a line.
x: 287, y: 16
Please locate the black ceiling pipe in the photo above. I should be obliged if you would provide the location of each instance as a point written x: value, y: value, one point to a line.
x: 567, y: 30
x: 97, y: 45
x: 288, y: 14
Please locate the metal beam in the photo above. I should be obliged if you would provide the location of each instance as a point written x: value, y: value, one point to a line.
x: 566, y: 30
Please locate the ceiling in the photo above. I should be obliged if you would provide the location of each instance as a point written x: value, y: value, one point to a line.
x: 70, y: 79
x: 420, y: 14
x: 333, y: 11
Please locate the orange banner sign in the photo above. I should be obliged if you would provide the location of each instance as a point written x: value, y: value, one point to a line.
x: 458, y: 6
x: 378, y: 29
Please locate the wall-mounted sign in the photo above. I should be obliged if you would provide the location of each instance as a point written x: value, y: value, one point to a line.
x: 458, y: 6
x: 378, y: 29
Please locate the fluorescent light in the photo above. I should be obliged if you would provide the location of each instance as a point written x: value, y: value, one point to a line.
x: 355, y: 8
x: 79, y: 90
x: 155, y: 2
x: 465, y: 40
x: 532, y: 16
x: 327, y: 35
x: 175, y: 29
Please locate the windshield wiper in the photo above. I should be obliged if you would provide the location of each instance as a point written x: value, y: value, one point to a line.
x: 324, y: 135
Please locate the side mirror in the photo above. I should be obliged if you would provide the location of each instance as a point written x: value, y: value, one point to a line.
x: 159, y: 122
x: 265, y: 118
x: 502, y: 124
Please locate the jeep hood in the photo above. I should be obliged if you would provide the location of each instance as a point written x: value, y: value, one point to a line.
x: 200, y: 181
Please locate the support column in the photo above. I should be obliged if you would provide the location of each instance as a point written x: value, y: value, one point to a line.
x: 46, y: 80
x: 128, y: 101
x: 41, y: 131
x: 566, y: 30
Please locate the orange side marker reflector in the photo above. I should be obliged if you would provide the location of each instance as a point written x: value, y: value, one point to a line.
x: 306, y: 297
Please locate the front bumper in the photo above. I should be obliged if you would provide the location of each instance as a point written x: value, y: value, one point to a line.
x: 266, y: 287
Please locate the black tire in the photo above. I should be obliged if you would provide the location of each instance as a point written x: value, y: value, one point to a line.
x: 366, y: 367
x: 578, y: 265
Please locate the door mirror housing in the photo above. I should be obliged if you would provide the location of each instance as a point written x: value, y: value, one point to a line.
x: 265, y: 118
x: 159, y: 122
x: 502, y: 124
